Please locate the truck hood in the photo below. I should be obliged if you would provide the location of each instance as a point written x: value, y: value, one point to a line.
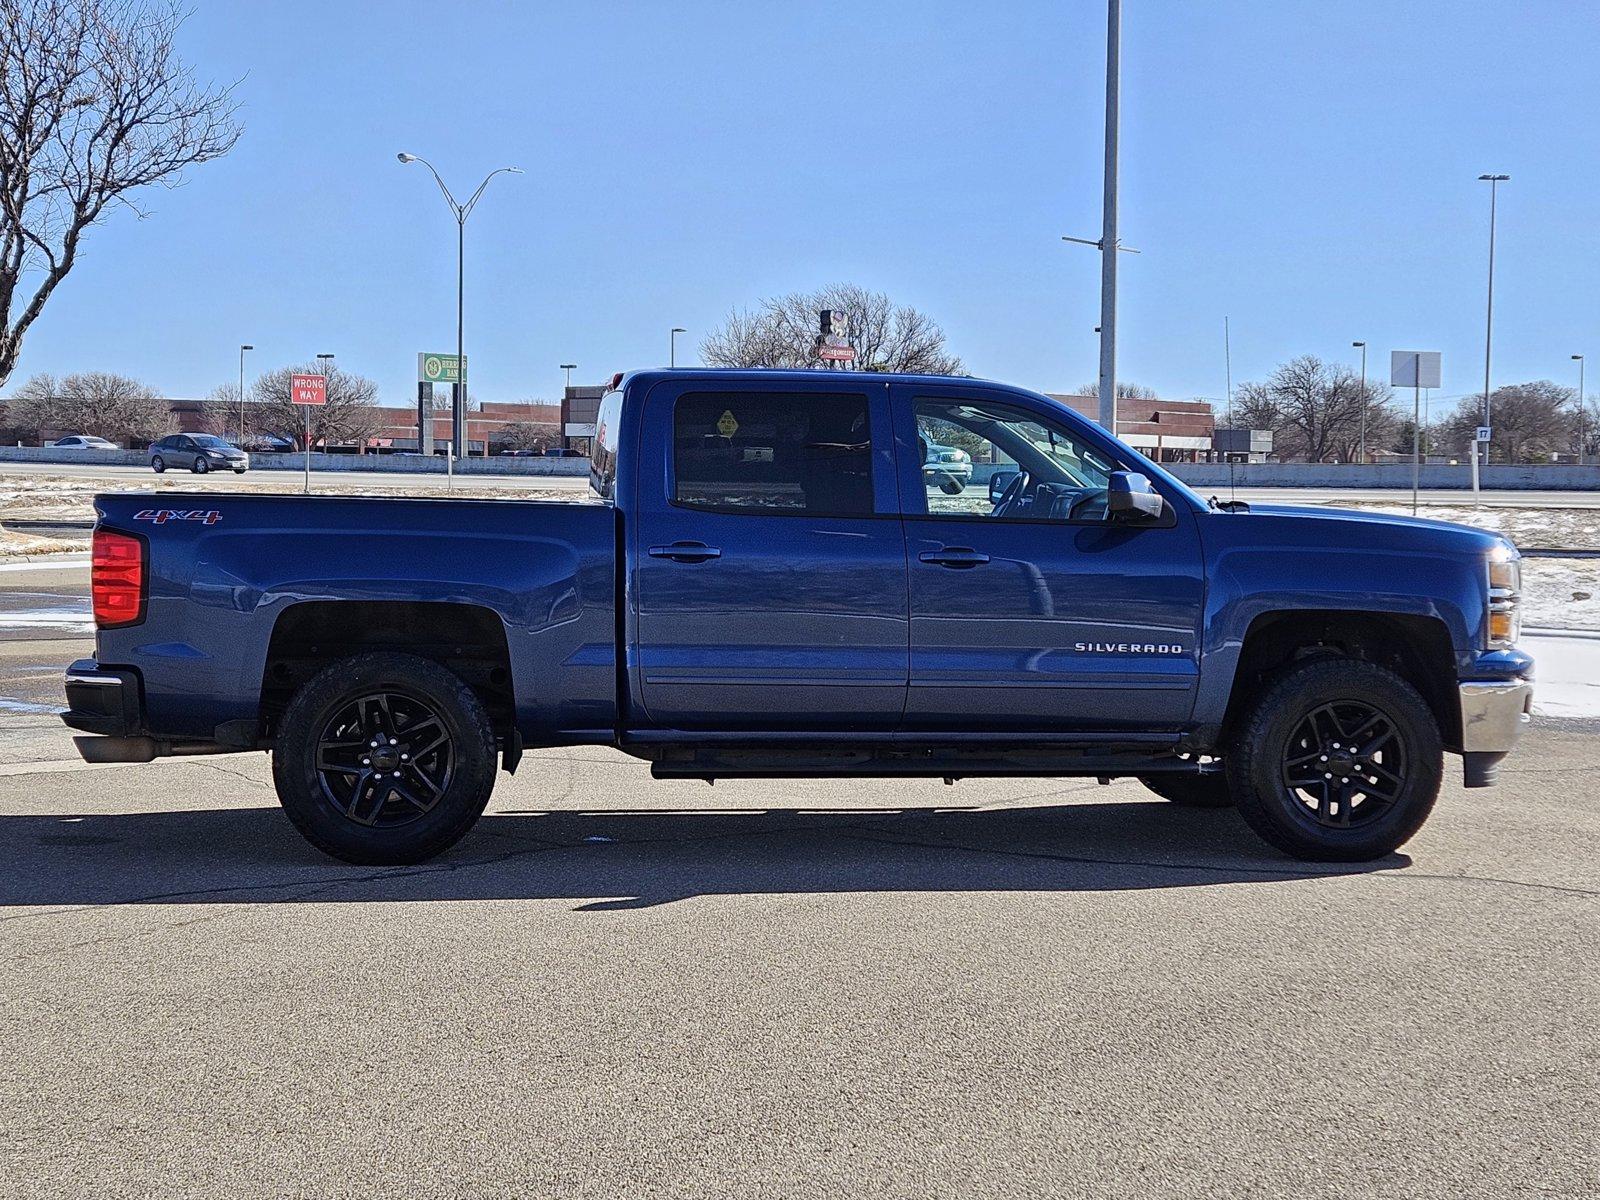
x: 1386, y: 530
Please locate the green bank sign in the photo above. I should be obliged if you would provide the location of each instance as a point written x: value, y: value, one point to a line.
x: 438, y: 368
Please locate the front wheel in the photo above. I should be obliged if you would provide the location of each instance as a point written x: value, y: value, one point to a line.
x: 158, y: 464
x: 200, y: 466
x: 1337, y: 761
x: 384, y: 759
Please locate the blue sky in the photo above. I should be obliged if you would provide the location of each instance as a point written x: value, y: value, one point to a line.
x: 1306, y: 168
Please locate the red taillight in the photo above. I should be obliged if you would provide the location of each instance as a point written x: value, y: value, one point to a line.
x: 116, y: 579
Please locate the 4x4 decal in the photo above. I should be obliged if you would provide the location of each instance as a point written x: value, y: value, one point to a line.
x: 206, y: 516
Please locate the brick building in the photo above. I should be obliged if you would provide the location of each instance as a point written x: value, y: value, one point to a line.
x: 1163, y: 430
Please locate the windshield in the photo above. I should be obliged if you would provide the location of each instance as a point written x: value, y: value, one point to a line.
x: 210, y: 442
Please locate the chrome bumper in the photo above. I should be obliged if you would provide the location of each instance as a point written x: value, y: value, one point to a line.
x: 1494, y: 714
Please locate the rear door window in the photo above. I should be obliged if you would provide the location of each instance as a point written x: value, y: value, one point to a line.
x: 807, y: 453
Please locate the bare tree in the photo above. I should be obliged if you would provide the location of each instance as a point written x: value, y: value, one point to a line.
x: 1531, y: 422
x: 782, y: 332
x: 1314, y: 410
x: 1125, y: 391
x: 92, y: 402
x: 526, y: 435
x: 350, y: 415
x: 94, y: 104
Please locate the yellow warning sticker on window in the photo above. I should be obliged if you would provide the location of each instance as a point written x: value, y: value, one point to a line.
x: 726, y: 425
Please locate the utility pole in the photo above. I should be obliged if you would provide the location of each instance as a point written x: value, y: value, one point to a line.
x: 242, y: 349
x: 1578, y: 358
x: 1494, y: 182
x: 1363, y: 347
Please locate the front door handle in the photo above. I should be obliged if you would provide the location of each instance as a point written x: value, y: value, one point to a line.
x: 954, y: 556
x: 685, y: 552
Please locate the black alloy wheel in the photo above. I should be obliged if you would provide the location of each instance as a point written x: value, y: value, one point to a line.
x: 384, y: 759
x: 1345, y: 764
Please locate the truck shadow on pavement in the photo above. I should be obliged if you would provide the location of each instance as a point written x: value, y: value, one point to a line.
x: 615, y: 859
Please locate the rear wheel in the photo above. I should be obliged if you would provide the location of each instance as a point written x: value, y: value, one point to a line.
x: 158, y: 464
x: 384, y: 759
x: 1338, y: 761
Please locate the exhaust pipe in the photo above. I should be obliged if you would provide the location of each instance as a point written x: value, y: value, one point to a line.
x: 141, y: 749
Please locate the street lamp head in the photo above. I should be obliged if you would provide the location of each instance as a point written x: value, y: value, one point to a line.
x: 679, y: 329
x: 1493, y: 178
x: 406, y: 158
x: 1577, y: 358
x: 514, y: 170
x: 247, y: 347
x: 1359, y: 345
x: 569, y: 366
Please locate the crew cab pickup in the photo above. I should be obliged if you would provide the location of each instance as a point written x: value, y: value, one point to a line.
x: 768, y: 582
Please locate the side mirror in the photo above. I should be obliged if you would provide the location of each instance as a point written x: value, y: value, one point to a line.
x: 999, y: 482
x: 1129, y: 497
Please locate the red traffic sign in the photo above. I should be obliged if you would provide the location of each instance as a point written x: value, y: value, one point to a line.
x: 308, y: 389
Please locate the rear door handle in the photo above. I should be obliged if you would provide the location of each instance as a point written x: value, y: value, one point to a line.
x: 954, y: 556
x: 685, y: 552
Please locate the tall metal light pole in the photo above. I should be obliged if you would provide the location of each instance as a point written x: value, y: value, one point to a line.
x: 1108, y: 227
x: 1109, y: 245
x: 569, y: 368
x: 1578, y: 358
x: 323, y: 361
x: 1494, y: 182
x: 242, y: 349
x: 458, y: 395
x: 1362, y: 346
x: 672, y: 350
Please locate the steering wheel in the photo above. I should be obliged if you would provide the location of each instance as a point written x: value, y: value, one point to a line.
x: 1011, y: 496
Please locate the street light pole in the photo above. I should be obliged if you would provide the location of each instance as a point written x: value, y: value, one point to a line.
x: 672, y: 352
x: 569, y: 368
x: 324, y: 361
x: 1578, y: 358
x: 1494, y: 182
x: 1108, y: 229
x: 461, y: 211
x: 1363, y: 348
x: 242, y: 349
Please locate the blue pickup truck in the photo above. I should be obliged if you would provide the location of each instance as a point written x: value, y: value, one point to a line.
x: 770, y: 583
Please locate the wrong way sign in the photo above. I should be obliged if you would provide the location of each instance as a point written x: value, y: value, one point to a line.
x: 308, y: 389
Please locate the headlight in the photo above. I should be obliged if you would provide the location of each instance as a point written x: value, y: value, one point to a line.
x: 215, y: 454
x: 1504, y: 623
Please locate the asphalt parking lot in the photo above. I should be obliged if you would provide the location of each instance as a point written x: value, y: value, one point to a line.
x: 620, y: 987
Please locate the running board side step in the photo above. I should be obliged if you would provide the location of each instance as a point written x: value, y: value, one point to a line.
x: 947, y: 762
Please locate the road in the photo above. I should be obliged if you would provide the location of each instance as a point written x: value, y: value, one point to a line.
x: 135, y: 477
x: 620, y: 987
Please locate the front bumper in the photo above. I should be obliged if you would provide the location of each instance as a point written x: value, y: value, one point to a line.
x: 1494, y: 714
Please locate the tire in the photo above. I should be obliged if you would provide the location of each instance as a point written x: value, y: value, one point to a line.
x: 325, y: 775
x: 158, y: 464
x: 1192, y: 791
x: 1325, y: 718
x: 199, y: 466
x: 238, y: 470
